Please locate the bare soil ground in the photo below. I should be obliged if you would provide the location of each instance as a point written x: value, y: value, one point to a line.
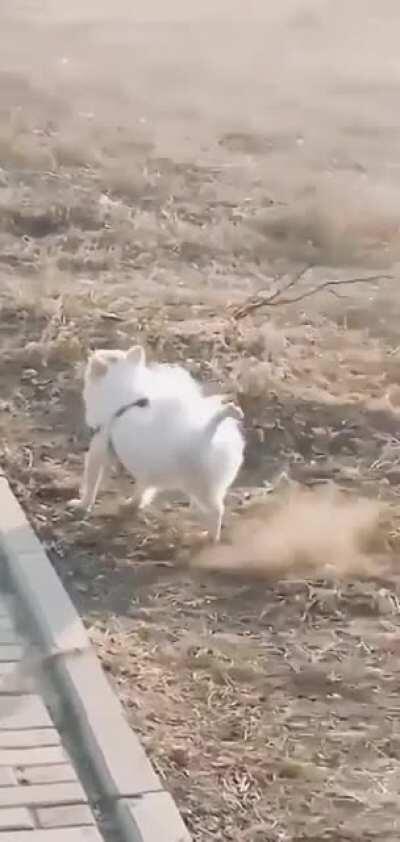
x: 154, y: 179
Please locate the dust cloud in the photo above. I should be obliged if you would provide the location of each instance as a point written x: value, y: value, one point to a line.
x: 319, y: 532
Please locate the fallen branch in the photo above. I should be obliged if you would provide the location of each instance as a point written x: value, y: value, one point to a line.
x: 277, y: 296
x: 258, y: 300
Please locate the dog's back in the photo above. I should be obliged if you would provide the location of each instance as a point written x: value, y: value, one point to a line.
x: 163, y: 443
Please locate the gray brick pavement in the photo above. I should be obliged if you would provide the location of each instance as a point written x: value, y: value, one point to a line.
x: 41, y: 797
x: 140, y: 809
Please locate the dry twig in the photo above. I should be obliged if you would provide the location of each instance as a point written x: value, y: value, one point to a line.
x: 275, y: 298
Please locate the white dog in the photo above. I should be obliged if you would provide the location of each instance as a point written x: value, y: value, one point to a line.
x: 157, y: 422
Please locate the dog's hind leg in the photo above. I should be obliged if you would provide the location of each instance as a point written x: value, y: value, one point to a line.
x: 212, y: 507
x: 215, y: 513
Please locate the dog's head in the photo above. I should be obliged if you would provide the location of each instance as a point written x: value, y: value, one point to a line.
x: 109, y: 381
x: 105, y: 362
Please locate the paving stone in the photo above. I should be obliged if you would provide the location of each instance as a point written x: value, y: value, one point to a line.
x: 117, y: 754
x: 14, y: 680
x: 42, y: 795
x: 16, y: 534
x: 23, y: 712
x: 146, y: 813
x: 32, y: 756
x: 65, y: 834
x: 75, y: 816
x: 46, y: 774
x: 15, y: 818
x: 6, y: 622
x: 7, y: 776
x: 29, y: 739
x: 7, y: 605
x: 11, y: 653
x: 9, y: 636
x: 153, y: 817
x: 7, y: 668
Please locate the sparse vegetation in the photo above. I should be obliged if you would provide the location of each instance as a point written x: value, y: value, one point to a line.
x: 269, y: 707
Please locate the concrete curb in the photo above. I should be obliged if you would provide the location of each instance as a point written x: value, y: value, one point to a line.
x: 144, y: 811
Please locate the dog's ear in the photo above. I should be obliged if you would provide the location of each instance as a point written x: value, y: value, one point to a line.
x: 136, y: 355
x: 97, y: 366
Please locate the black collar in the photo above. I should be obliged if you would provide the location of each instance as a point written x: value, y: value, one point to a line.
x: 142, y: 402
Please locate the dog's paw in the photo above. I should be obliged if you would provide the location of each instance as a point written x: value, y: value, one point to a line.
x: 76, y: 504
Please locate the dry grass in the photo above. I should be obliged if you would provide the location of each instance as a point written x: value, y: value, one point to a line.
x: 268, y: 700
x: 248, y: 696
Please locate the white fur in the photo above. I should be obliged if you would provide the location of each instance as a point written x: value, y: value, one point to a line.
x: 181, y: 441
x: 125, y: 376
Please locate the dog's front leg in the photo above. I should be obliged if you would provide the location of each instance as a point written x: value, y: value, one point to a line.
x: 96, y: 461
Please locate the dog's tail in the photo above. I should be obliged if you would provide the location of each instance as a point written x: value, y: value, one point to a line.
x: 228, y: 410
